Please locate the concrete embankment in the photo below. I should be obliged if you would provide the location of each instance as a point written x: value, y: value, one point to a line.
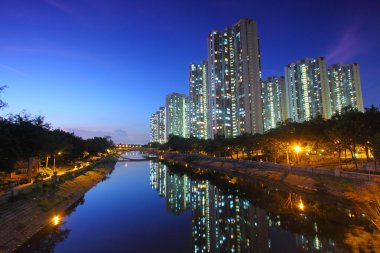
x: 30, y: 212
x: 308, y: 180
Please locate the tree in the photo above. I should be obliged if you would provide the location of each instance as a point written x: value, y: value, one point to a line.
x: 351, y: 126
x: 9, y: 150
x: 23, y: 136
x: 2, y: 103
x: 98, y: 145
x: 371, y: 132
x: 376, y: 148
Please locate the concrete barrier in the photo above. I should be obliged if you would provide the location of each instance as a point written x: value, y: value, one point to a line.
x: 238, y: 163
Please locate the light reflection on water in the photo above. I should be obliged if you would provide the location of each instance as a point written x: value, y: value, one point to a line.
x: 145, y: 202
x: 224, y: 222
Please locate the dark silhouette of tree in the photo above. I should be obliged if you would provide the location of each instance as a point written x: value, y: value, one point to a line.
x: 2, y: 103
x: 98, y: 145
x: 23, y: 136
x: 352, y: 130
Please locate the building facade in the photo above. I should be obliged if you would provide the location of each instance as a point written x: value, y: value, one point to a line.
x: 198, y: 100
x: 162, y: 125
x: 158, y: 126
x: 177, y: 115
x: 274, y: 101
x: 234, y: 88
x: 154, y: 127
x: 345, y: 87
x: 307, y: 90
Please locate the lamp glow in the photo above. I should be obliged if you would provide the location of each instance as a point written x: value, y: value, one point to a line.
x: 56, y: 220
x: 301, y: 206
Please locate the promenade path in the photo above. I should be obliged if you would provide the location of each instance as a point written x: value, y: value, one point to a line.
x: 21, y: 219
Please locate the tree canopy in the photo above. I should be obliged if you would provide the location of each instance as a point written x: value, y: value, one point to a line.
x: 23, y: 136
x: 348, y: 131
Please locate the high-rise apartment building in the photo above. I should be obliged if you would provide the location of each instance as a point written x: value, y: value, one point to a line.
x: 154, y: 127
x: 274, y: 101
x: 158, y: 126
x: 307, y: 90
x: 162, y: 125
x: 345, y: 87
x: 177, y: 115
x: 198, y: 100
x: 234, y: 87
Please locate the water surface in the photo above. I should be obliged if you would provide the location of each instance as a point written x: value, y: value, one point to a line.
x: 149, y: 207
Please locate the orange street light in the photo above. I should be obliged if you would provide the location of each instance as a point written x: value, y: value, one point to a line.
x: 301, y: 206
x: 59, y: 153
x: 297, y: 149
x: 56, y: 220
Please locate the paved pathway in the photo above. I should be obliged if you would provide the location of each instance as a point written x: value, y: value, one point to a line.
x: 21, y: 219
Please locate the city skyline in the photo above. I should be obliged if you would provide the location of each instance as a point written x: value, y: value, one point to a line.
x: 83, y: 82
x: 228, y: 97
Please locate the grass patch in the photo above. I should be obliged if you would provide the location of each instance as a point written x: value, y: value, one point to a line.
x: 20, y: 226
x: 19, y: 196
x: 337, y: 183
x: 46, y: 204
x: 68, y: 176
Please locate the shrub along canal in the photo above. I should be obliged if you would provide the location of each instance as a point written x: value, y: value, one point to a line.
x: 150, y: 207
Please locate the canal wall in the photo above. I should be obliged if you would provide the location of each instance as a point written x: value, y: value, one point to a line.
x: 332, y: 188
x: 223, y: 164
x: 34, y: 208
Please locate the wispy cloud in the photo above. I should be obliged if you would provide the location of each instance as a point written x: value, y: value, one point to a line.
x: 60, y: 5
x: 62, y: 52
x: 348, y: 46
x: 11, y: 69
x: 118, y: 136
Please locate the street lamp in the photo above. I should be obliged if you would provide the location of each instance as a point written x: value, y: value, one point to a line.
x: 297, y: 149
x: 56, y: 219
x: 59, y: 153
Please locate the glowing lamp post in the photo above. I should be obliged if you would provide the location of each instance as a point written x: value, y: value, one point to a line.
x: 297, y: 149
x: 59, y: 153
x: 56, y: 220
x: 301, y: 206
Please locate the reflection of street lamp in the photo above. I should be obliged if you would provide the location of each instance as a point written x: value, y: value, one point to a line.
x: 56, y: 219
x: 59, y: 153
x: 225, y: 152
x: 301, y: 206
x: 297, y: 149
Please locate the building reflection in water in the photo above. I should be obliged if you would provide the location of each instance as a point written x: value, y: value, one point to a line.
x: 224, y: 222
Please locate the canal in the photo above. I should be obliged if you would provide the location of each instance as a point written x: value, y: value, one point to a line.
x: 149, y: 207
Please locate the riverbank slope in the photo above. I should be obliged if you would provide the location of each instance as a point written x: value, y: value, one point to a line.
x: 328, y: 186
x: 28, y: 213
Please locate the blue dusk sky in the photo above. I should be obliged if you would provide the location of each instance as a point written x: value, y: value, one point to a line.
x: 101, y: 67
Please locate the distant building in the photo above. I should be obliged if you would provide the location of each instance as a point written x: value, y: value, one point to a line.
x: 198, y: 100
x: 154, y: 127
x: 234, y: 87
x: 158, y: 126
x: 161, y: 125
x: 274, y: 101
x: 345, y: 87
x: 307, y: 90
x: 177, y: 115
